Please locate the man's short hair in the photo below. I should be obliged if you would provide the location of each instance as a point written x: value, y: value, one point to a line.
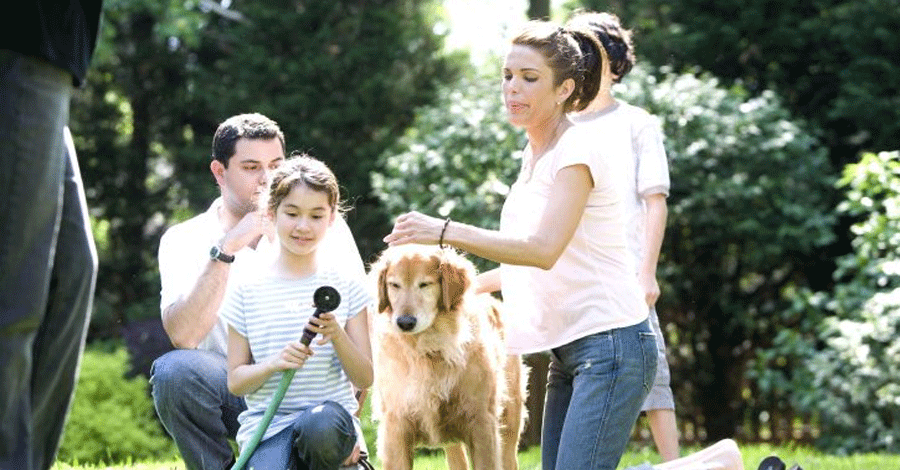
x: 243, y: 126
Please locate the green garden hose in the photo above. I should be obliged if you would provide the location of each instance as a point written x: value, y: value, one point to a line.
x: 326, y: 299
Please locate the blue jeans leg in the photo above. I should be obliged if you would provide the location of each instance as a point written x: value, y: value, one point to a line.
x: 595, y: 389
x: 61, y: 337
x: 190, y: 392
x: 274, y: 453
x: 325, y: 437
x: 44, y: 302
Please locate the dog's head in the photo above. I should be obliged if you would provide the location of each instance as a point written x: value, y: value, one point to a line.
x: 418, y: 284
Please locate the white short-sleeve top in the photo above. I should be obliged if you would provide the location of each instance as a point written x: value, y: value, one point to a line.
x: 592, y: 287
x: 633, y: 139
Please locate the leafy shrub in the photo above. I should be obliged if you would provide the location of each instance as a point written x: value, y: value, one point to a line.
x: 852, y: 376
x: 458, y: 158
x: 749, y: 211
x: 112, y: 419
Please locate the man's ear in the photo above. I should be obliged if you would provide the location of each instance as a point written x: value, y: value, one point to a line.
x: 218, y: 170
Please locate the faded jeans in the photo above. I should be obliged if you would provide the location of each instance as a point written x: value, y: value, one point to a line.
x: 190, y: 392
x: 321, y: 438
x: 595, y: 389
x: 48, y: 262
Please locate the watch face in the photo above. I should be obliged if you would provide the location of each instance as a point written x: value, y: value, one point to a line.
x: 216, y: 254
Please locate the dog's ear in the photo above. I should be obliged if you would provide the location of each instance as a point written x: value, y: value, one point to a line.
x: 455, y: 278
x: 381, y: 269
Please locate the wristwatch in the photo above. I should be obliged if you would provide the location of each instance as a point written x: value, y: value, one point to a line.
x: 216, y: 254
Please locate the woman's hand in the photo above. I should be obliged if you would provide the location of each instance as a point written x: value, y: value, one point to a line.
x: 415, y: 227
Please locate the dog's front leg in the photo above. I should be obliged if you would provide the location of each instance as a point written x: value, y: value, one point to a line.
x: 397, y: 442
x: 483, y: 445
x: 456, y: 457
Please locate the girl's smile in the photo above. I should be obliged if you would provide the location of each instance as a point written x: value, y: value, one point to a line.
x: 302, y: 219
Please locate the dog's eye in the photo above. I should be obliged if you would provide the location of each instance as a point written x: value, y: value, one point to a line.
x: 393, y: 285
x: 424, y: 285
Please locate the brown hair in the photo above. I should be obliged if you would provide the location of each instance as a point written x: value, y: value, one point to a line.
x: 571, y: 52
x: 615, y: 39
x: 302, y: 169
x: 252, y: 126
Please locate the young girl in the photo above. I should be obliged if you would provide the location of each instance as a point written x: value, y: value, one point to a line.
x: 314, y: 427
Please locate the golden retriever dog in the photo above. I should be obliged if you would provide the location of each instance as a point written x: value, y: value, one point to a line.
x: 442, y: 373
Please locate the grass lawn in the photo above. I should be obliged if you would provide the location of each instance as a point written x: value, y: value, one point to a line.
x: 530, y: 460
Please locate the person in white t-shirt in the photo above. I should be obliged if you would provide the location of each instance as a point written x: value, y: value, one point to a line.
x: 201, y: 259
x: 313, y: 427
x: 633, y: 138
x: 566, y: 275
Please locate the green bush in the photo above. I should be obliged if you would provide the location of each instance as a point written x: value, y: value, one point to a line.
x: 112, y: 419
x: 852, y: 376
x: 749, y: 212
x: 458, y: 158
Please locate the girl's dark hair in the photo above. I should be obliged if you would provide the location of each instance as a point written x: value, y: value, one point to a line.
x: 302, y: 169
x: 571, y: 52
x: 614, y: 38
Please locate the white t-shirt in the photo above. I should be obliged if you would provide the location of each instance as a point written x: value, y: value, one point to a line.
x: 271, y: 312
x: 184, y: 254
x: 592, y: 286
x: 633, y: 139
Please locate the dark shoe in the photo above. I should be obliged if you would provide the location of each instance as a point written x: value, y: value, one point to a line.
x: 772, y: 462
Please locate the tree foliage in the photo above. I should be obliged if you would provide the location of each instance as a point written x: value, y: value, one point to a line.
x: 340, y: 77
x: 458, y: 158
x: 748, y: 206
x: 846, y: 356
x: 831, y: 61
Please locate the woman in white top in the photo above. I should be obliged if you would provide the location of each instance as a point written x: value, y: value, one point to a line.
x: 633, y: 137
x: 566, y: 276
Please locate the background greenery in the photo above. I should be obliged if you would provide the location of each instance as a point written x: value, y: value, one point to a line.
x: 780, y: 265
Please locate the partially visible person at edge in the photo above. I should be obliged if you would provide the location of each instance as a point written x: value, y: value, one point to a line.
x: 200, y: 260
x: 565, y: 269
x: 634, y: 142
x: 48, y: 261
x: 313, y: 427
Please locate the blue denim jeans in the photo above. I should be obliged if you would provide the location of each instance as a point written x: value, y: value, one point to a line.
x: 595, y: 388
x: 321, y: 438
x: 48, y: 262
x: 190, y: 392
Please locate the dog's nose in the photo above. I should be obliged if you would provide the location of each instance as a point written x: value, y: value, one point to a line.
x: 406, y: 322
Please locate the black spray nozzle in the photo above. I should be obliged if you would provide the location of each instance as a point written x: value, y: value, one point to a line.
x: 326, y: 299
